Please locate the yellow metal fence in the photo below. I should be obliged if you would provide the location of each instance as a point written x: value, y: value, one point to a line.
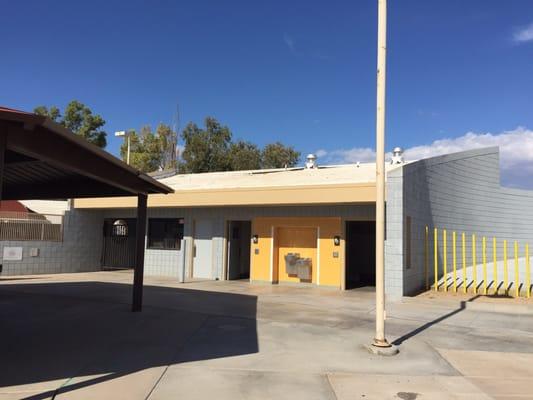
x: 471, y: 272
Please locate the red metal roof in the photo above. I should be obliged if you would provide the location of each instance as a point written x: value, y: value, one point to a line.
x: 12, y: 205
x: 12, y: 110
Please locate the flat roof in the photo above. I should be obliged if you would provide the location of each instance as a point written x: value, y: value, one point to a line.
x: 334, y: 174
x: 336, y: 184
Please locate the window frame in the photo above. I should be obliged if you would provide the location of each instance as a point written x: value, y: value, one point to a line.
x: 180, y: 232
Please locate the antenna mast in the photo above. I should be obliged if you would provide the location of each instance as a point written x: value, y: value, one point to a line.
x: 176, y: 128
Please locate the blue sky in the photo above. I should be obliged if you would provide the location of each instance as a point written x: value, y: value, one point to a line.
x: 302, y: 72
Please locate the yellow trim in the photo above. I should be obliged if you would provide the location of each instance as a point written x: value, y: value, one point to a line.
x: 463, y: 240
x: 436, y: 257
x: 272, y: 247
x: 516, y: 271
x: 505, y: 269
x: 528, y: 273
x: 278, y: 195
x: 318, y: 255
x: 484, y: 254
x: 454, y: 245
x: 474, y: 263
x: 445, y: 260
x: 495, y: 265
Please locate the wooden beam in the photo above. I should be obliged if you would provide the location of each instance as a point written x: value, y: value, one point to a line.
x: 3, y: 139
x: 44, y: 145
x: 138, y: 273
x: 61, y: 189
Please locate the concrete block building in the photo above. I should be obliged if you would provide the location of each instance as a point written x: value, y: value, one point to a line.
x: 311, y: 226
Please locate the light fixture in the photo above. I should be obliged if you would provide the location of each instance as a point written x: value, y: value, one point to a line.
x: 255, y: 239
x: 337, y: 240
x: 126, y: 135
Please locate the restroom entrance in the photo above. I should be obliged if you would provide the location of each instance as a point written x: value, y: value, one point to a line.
x: 360, y: 254
x: 239, y: 241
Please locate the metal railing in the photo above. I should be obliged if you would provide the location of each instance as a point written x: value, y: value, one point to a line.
x: 476, y: 266
x: 30, y: 226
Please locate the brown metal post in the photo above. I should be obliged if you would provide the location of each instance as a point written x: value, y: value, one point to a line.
x: 3, y: 140
x: 138, y: 273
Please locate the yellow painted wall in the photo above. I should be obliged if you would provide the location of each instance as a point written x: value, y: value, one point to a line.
x: 260, y: 252
x: 301, y: 240
x: 330, y: 267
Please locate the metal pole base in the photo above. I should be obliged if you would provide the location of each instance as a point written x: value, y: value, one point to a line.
x: 382, y: 348
x: 381, y: 343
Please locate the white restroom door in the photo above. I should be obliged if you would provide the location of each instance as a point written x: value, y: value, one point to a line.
x: 203, y: 249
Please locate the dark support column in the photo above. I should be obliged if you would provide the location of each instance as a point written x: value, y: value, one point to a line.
x: 3, y: 139
x: 138, y: 274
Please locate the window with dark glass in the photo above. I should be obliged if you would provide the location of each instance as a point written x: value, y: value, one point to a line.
x: 165, y: 233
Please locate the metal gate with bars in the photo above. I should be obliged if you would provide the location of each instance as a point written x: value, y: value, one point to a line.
x: 118, y: 250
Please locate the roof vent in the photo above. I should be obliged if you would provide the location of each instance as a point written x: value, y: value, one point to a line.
x: 310, y: 161
x: 397, y: 156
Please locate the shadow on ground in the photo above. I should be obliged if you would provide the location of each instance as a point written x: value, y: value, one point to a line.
x: 56, y: 331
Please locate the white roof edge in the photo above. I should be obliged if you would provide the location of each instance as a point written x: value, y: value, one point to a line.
x: 281, y: 177
x: 271, y: 170
x: 54, y: 207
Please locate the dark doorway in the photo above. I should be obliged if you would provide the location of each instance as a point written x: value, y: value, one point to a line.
x: 118, y: 250
x: 239, y: 237
x: 360, y: 254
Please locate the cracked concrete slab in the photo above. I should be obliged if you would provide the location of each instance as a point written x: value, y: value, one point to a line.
x: 232, y: 384
x: 240, y: 341
x: 404, y: 387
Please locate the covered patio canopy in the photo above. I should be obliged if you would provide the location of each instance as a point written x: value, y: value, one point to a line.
x: 40, y: 159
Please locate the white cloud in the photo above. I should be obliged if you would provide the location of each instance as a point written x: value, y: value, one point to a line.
x: 524, y: 34
x: 289, y: 41
x: 516, y: 153
x: 321, y: 153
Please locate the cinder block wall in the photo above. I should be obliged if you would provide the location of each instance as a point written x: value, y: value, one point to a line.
x: 458, y: 192
x: 156, y: 262
x: 79, y: 251
x: 170, y: 262
x: 394, y: 265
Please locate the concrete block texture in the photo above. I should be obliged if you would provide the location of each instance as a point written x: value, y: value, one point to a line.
x: 458, y: 192
x: 80, y: 250
x: 170, y: 263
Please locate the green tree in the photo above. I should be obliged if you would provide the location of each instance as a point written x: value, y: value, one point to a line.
x: 168, y: 142
x: 53, y: 113
x: 145, y: 150
x: 211, y: 149
x: 277, y: 155
x: 79, y: 119
x: 205, y: 149
x: 244, y: 156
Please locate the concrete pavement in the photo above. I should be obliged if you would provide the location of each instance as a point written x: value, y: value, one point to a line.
x: 72, y: 336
